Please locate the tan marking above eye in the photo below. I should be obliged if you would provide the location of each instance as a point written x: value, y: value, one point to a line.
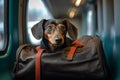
x: 60, y: 25
x: 51, y: 25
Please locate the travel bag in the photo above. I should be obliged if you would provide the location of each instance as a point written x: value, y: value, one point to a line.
x: 87, y: 62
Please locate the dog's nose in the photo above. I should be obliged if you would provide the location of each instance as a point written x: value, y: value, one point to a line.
x: 58, y: 40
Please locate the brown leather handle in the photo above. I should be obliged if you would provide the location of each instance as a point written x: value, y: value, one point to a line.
x: 37, y: 62
x: 73, y: 48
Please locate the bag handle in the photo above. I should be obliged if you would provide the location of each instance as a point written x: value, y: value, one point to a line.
x: 37, y: 62
x: 16, y: 67
x: 70, y: 55
x: 73, y: 48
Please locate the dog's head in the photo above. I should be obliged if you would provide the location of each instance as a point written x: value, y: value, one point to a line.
x: 54, y: 30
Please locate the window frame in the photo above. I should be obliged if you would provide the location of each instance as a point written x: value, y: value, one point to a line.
x: 6, y: 30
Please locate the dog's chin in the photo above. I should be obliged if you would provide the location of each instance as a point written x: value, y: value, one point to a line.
x: 58, y: 44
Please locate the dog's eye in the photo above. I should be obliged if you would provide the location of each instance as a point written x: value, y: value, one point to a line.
x: 49, y: 30
x: 63, y: 28
x: 49, y: 26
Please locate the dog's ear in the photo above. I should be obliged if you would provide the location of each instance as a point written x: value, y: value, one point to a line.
x: 72, y: 30
x: 37, y: 29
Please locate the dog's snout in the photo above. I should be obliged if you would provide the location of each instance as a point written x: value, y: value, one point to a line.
x: 58, y: 39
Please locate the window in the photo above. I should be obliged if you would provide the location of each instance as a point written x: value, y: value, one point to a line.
x: 3, y: 27
x: 35, y: 12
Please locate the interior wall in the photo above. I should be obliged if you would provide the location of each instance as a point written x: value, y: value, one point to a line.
x: 108, y: 12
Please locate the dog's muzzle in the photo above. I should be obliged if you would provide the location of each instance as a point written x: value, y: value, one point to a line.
x: 58, y: 40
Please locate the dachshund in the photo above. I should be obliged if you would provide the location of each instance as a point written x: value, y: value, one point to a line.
x: 53, y: 33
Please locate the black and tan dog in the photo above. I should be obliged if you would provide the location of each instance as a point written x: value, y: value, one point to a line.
x: 53, y: 33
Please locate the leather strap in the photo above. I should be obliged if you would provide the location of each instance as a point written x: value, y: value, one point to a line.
x: 73, y: 48
x: 37, y: 62
x: 70, y: 55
